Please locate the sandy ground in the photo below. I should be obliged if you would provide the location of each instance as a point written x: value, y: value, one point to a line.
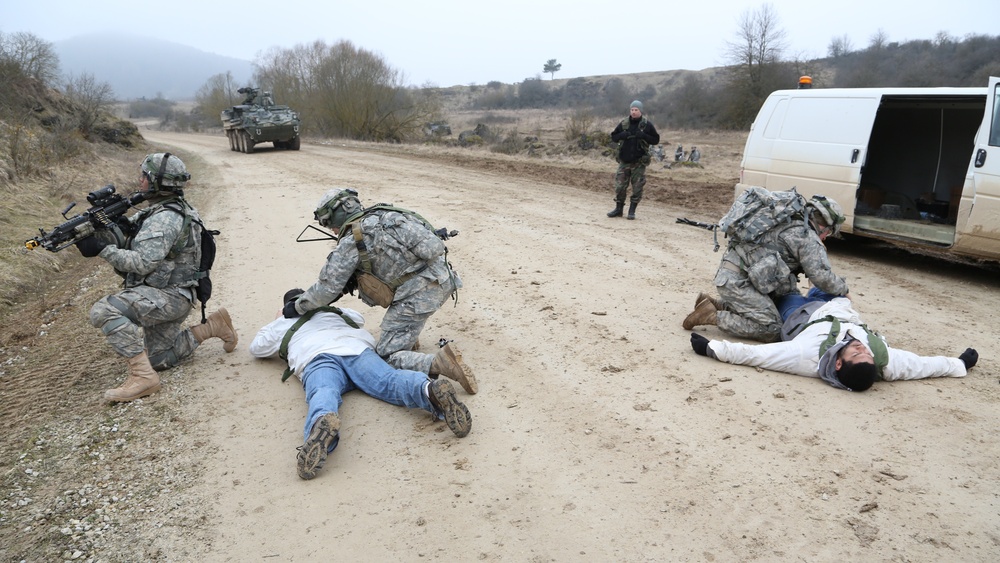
x: 598, y: 434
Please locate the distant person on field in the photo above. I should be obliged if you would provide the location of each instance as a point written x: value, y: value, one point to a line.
x: 679, y: 153
x: 332, y: 354
x: 695, y: 155
x: 634, y: 135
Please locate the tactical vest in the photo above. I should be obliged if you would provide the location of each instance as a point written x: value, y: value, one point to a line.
x: 643, y: 144
x: 382, y: 292
x: 180, y: 267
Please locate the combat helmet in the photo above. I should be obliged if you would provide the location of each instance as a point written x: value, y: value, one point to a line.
x: 829, y: 212
x: 164, y: 172
x: 336, y: 207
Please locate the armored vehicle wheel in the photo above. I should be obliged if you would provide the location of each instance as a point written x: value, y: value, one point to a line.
x: 232, y: 140
x: 294, y: 143
x: 248, y: 142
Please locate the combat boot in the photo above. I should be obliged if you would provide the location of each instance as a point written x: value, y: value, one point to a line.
x: 631, y: 209
x: 703, y: 296
x: 617, y: 211
x: 217, y: 325
x: 704, y: 314
x: 448, y: 362
x: 142, y: 380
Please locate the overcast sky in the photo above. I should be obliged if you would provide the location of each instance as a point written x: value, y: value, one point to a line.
x: 448, y: 42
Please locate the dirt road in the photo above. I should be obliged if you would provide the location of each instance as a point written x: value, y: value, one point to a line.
x: 597, y: 433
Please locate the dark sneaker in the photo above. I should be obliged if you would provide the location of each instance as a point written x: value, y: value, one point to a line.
x: 312, y: 454
x: 442, y: 396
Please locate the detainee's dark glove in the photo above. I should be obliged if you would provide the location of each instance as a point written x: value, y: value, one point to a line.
x: 90, y: 246
x: 969, y: 357
x: 289, y: 311
x: 699, y: 343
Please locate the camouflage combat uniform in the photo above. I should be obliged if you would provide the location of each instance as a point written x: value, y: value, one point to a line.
x: 159, y: 292
x: 748, y: 312
x: 397, y: 245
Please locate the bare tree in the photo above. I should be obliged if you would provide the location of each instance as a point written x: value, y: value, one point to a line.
x: 878, y: 40
x: 755, y: 63
x: 215, y: 95
x: 840, y: 46
x: 34, y: 56
x: 91, y: 98
x: 344, y: 90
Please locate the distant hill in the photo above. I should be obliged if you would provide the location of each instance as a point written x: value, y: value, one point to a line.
x: 138, y: 67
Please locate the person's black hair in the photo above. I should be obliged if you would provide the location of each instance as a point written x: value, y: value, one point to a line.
x: 857, y: 376
x: 291, y: 294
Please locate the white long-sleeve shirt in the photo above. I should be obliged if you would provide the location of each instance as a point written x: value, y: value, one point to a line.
x: 324, y: 333
x: 800, y: 356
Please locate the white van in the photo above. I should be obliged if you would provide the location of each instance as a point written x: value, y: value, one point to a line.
x: 919, y: 167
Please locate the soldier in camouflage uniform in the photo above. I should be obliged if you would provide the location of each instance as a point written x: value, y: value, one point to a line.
x: 793, y: 248
x: 159, y: 261
x: 406, y: 256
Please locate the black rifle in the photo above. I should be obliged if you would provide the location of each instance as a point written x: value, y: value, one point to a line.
x: 106, y: 208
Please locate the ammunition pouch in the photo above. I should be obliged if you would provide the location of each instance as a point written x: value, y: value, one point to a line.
x: 377, y: 290
x: 765, y: 269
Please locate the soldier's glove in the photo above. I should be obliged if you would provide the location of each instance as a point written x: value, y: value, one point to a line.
x: 90, y: 246
x: 969, y: 357
x: 289, y: 311
x: 349, y: 288
x: 699, y: 343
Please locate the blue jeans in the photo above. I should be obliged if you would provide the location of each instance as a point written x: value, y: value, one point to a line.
x: 788, y: 303
x: 327, y: 377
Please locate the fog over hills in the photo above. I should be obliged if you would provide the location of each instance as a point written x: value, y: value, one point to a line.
x: 138, y: 67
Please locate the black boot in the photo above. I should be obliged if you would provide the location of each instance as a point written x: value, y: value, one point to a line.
x: 631, y: 210
x: 617, y: 211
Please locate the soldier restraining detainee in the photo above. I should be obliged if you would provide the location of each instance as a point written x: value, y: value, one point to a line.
x: 743, y: 309
x: 399, y: 263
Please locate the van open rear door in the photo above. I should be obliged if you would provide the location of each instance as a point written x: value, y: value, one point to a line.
x: 978, y: 225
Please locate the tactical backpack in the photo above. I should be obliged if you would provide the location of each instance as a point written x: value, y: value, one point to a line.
x: 204, y: 288
x: 757, y: 211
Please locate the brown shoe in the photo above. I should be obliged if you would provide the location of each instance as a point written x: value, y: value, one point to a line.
x: 456, y: 415
x: 217, y: 325
x: 448, y: 362
x: 704, y: 314
x: 312, y: 454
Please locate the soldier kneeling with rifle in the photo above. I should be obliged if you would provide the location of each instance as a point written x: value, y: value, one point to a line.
x: 159, y: 253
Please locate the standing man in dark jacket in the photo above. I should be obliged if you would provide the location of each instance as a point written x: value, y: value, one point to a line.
x: 634, y: 136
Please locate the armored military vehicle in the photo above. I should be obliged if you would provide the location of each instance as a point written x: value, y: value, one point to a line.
x: 260, y: 121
